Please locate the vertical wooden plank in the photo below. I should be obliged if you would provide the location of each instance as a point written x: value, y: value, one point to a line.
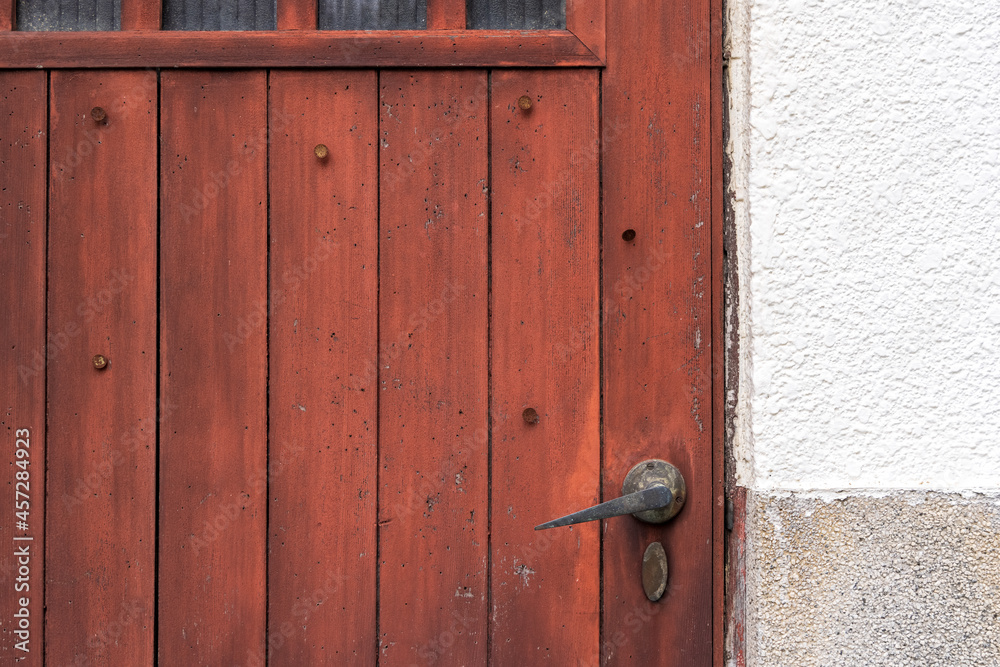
x: 657, y: 346
x: 102, y: 422
x: 213, y: 342
x: 7, y: 18
x: 141, y: 14
x: 545, y: 357
x: 298, y: 14
x: 586, y: 19
x: 446, y: 14
x: 323, y: 346
x: 433, y: 367
x: 23, y: 351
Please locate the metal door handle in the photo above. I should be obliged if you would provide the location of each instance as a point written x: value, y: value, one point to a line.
x: 653, y: 492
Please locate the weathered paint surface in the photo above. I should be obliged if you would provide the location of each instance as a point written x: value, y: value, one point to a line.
x: 344, y: 340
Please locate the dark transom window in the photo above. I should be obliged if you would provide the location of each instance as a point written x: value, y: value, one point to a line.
x: 229, y: 15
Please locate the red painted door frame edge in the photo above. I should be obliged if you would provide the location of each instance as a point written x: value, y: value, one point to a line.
x: 720, y: 592
x: 293, y: 46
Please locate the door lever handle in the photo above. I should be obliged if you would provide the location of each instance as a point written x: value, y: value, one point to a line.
x: 653, y: 492
x: 653, y: 498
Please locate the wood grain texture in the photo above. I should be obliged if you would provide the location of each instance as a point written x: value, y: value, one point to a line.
x: 446, y: 14
x: 298, y: 14
x: 657, y: 299
x: 587, y: 20
x: 23, y: 137
x: 545, y: 356
x: 7, y: 18
x: 433, y: 368
x: 141, y: 14
x: 300, y: 48
x: 213, y: 366
x: 323, y: 347
x: 102, y: 423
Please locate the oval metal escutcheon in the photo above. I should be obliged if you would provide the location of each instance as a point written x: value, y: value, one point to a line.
x: 654, y: 571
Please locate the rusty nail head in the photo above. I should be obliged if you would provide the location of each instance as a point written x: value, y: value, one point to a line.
x: 524, y: 102
x: 321, y: 151
x: 98, y: 114
x: 100, y: 362
x: 530, y: 416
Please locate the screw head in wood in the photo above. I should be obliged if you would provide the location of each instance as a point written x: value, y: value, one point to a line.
x: 524, y: 102
x: 530, y: 416
x: 98, y: 114
x: 321, y: 151
x: 100, y: 362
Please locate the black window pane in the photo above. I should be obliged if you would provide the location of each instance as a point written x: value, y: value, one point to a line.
x: 69, y: 15
x: 372, y: 14
x: 219, y: 14
x: 516, y: 14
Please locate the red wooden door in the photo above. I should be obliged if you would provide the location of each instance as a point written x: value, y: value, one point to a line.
x: 300, y: 351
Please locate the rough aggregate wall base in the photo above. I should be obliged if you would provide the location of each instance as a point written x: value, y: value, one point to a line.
x: 898, y: 578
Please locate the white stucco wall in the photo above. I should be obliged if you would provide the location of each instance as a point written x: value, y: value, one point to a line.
x: 865, y: 138
x: 866, y: 141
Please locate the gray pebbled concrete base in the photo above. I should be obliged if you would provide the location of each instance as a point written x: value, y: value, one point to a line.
x: 903, y: 578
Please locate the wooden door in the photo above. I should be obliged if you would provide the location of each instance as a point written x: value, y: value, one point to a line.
x: 309, y: 328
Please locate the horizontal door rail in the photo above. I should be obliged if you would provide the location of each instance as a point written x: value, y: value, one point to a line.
x: 299, y: 48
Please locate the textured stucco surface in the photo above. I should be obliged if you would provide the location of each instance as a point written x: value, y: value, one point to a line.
x: 907, y: 578
x: 867, y: 146
x: 865, y: 192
